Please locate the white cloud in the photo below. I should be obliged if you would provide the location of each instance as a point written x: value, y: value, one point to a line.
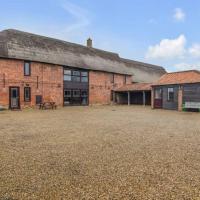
x: 179, y: 15
x: 168, y: 49
x: 195, y: 50
x: 80, y: 17
x: 187, y: 66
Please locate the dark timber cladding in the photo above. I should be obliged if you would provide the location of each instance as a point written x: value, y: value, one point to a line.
x: 163, y: 101
x: 177, y: 91
x: 191, y: 93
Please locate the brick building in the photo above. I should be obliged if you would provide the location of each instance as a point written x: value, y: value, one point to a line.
x: 35, y: 68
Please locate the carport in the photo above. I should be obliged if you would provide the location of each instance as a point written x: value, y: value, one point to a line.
x: 133, y: 94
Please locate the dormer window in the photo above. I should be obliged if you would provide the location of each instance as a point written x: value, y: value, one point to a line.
x: 27, y: 68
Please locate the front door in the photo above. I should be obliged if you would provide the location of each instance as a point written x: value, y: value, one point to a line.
x: 158, y: 98
x: 14, y: 98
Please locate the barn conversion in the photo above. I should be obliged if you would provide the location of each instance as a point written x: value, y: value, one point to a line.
x: 177, y: 91
x: 35, y: 68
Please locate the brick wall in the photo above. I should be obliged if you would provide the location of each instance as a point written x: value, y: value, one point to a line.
x: 45, y: 80
x: 100, y: 86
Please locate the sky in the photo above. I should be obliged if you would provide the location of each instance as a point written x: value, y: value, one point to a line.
x: 160, y: 32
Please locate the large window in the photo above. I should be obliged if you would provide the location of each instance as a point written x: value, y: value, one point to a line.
x: 75, y: 75
x: 170, y: 94
x: 27, y: 94
x: 27, y: 68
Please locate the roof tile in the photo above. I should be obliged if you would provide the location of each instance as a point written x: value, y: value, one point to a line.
x: 191, y: 76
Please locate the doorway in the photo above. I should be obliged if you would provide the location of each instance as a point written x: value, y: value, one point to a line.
x: 14, y: 98
x: 158, y: 102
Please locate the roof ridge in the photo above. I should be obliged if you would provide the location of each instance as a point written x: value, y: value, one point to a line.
x: 143, y: 63
x: 192, y: 70
x: 60, y: 40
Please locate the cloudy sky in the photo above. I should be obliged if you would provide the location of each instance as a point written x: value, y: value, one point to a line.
x: 161, y: 32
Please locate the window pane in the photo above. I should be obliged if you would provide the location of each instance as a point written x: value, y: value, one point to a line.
x: 84, y: 73
x: 27, y: 94
x: 67, y: 72
x: 84, y: 79
x: 84, y: 101
x: 76, y: 73
x: 84, y: 93
x: 67, y: 93
x: 76, y: 78
x: 170, y: 96
x: 67, y: 78
x: 27, y: 68
x: 76, y: 93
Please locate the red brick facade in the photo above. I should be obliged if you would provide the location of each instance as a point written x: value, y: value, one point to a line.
x: 47, y: 80
x: 101, y: 85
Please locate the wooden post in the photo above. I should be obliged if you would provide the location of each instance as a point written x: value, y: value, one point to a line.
x: 152, y: 97
x: 144, y: 98
x: 128, y: 98
x: 180, y: 99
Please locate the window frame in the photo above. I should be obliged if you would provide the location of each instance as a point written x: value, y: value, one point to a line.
x: 69, y: 75
x: 68, y: 95
x: 168, y: 94
x: 27, y: 99
x: 84, y: 76
x: 75, y: 75
x: 76, y: 96
x: 27, y: 62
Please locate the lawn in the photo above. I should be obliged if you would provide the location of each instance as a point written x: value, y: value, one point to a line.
x: 103, y: 152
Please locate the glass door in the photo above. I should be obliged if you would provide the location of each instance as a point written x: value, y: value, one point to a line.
x: 14, y: 98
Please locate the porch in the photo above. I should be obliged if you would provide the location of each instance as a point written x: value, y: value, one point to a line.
x: 133, y: 94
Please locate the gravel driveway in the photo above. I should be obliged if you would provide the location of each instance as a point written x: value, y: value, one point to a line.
x: 105, y: 152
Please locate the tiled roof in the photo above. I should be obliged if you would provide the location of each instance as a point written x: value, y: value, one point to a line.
x: 135, y: 87
x: 192, y: 76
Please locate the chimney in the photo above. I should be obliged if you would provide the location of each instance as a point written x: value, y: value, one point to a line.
x: 89, y: 43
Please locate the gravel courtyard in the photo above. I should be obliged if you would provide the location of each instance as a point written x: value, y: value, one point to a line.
x: 105, y: 152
